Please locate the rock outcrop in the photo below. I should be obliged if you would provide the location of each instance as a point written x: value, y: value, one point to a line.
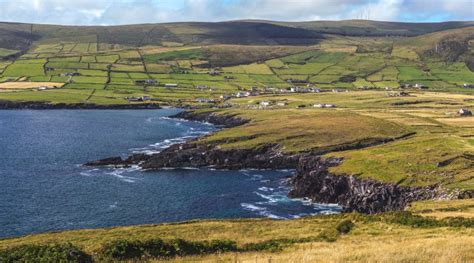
x: 311, y: 180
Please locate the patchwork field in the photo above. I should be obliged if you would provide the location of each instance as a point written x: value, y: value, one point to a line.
x: 383, y: 97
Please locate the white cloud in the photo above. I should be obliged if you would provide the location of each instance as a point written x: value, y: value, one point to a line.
x: 152, y: 11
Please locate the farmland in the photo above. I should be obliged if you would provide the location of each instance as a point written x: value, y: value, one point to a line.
x: 383, y: 100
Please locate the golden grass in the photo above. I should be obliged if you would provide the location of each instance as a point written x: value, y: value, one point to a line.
x: 427, y: 246
x: 28, y: 85
x: 458, y: 122
x: 444, y: 208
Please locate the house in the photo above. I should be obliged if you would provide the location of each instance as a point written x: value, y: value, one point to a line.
x: 201, y: 87
x: 171, y: 85
x: 228, y: 77
x: 465, y: 112
x: 295, y: 89
x: 420, y: 86
x: 43, y: 88
x: 282, y: 103
x: 225, y: 97
x: 150, y: 82
x: 398, y: 94
x: 134, y: 99
x: 214, y: 72
x: 242, y: 94
x: 301, y: 106
x: 323, y: 105
x: 265, y: 103
x: 468, y: 86
x: 254, y: 89
x: 339, y: 90
x: 314, y: 90
x: 205, y: 100
x: 146, y: 82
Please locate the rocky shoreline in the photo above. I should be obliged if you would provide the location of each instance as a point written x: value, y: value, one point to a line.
x: 312, y: 179
x: 38, y: 105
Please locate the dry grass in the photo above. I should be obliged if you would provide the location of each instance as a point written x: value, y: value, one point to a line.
x: 28, y: 85
x: 426, y: 247
x: 458, y: 122
x: 444, y: 208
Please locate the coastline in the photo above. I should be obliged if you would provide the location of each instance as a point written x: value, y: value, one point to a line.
x: 312, y: 179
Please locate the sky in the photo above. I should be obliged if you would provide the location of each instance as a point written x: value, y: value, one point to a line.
x: 115, y: 12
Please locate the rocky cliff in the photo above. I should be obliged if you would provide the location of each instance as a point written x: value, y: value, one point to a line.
x: 311, y: 180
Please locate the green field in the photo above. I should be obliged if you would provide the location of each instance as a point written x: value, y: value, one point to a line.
x: 380, y: 129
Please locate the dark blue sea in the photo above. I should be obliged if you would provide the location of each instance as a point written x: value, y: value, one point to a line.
x: 43, y: 186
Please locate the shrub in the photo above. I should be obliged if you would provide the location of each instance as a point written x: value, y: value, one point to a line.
x: 158, y: 248
x: 328, y: 235
x: 122, y: 249
x: 345, y: 226
x: 268, y: 245
x: 44, y: 253
x: 409, y: 219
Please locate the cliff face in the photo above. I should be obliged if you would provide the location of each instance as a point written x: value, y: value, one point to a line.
x: 311, y: 180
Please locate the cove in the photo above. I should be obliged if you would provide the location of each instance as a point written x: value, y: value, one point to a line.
x: 44, y: 187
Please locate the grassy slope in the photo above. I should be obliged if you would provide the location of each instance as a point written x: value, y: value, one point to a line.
x: 441, y: 136
x: 379, y: 237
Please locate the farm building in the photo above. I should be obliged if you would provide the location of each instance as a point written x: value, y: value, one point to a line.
x: 282, y: 103
x: 468, y: 86
x: 214, y: 72
x: 205, y: 100
x: 323, y: 105
x: 225, y: 97
x: 146, y: 81
x: 242, y: 94
x: 143, y: 98
x: 420, y: 86
x: 265, y: 103
x: 465, y: 112
x: 201, y: 87
x: 171, y: 85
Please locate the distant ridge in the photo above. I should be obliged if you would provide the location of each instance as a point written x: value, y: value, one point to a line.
x: 20, y: 36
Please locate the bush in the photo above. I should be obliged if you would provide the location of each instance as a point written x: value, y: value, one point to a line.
x: 44, y: 253
x: 328, y: 235
x: 158, y: 248
x: 409, y: 219
x: 123, y: 249
x: 345, y: 226
x: 268, y: 245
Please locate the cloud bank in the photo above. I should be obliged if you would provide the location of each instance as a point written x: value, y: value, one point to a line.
x: 113, y: 12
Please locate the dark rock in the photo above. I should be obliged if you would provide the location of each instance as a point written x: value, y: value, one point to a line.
x: 107, y: 161
x: 227, y: 121
x: 312, y: 180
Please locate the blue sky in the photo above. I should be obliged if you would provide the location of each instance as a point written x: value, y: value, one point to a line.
x: 113, y: 12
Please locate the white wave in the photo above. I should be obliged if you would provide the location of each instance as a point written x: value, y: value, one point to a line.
x: 118, y: 174
x: 252, y: 207
x: 265, y: 189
